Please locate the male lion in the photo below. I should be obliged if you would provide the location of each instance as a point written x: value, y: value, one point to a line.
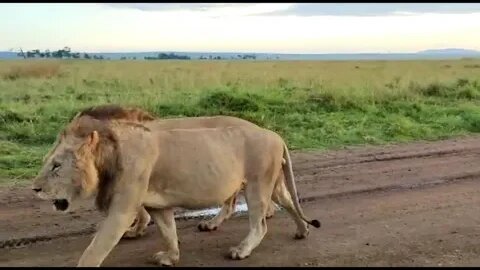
x: 119, y: 113
x: 127, y: 165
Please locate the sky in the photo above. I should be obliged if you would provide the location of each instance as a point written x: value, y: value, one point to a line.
x: 243, y: 27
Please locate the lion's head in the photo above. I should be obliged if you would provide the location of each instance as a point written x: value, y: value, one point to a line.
x: 84, y: 160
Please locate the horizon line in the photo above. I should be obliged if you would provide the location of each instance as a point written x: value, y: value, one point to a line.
x: 240, y: 52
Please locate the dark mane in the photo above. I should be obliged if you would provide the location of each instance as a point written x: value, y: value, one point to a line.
x: 108, y: 160
x: 116, y: 112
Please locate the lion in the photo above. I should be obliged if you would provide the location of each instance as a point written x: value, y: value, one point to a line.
x: 128, y: 165
x: 116, y: 112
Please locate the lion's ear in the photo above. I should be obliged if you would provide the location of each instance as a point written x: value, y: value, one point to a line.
x: 93, y: 139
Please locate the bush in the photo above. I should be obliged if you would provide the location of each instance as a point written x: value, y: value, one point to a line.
x: 228, y: 101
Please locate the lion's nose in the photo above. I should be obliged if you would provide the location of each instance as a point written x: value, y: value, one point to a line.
x: 37, y: 189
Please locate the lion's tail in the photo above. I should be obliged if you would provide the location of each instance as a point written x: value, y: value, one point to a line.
x: 290, y: 181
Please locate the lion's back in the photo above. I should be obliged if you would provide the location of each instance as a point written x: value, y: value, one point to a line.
x: 199, y: 122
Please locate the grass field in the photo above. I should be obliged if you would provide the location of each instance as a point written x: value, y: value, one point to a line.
x: 314, y: 105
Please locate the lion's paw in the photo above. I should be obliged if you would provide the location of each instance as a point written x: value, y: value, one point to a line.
x: 133, y: 233
x: 270, y: 213
x: 302, y: 234
x: 205, y: 226
x: 237, y: 253
x: 164, y: 259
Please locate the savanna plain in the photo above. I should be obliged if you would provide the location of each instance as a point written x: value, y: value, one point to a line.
x: 385, y: 154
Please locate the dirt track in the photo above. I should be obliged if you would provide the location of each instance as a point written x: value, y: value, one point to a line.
x: 404, y: 205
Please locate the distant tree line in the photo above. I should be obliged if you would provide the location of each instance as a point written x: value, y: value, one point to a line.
x: 64, y: 53
x: 239, y: 56
x: 247, y: 56
x: 164, y: 56
x: 210, y: 57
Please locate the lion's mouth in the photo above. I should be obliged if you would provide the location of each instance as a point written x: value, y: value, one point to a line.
x: 61, y: 204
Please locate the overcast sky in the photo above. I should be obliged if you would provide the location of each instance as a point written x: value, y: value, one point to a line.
x: 247, y: 27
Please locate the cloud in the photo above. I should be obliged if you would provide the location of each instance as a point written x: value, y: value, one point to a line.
x: 217, y: 10
x: 212, y: 10
x: 173, y: 6
x: 374, y: 9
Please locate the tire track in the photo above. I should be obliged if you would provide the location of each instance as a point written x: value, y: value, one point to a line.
x: 27, y: 241
x: 369, y: 158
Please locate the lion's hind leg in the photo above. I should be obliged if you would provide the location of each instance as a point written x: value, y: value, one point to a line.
x: 225, y: 213
x: 139, y: 226
x: 270, y: 210
x: 271, y: 205
x: 258, y: 194
x: 282, y: 197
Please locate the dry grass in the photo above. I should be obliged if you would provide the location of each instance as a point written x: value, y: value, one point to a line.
x: 36, y: 70
x: 192, y: 75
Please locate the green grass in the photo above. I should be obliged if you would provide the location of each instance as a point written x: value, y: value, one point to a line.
x: 313, y: 105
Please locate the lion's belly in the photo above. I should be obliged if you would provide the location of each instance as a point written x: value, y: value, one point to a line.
x: 205, y: 186
x: 197, y: 175
x: 167, y: 200
x: 200, y: 195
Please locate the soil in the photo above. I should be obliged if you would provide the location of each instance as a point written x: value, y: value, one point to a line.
x: 399, y: 205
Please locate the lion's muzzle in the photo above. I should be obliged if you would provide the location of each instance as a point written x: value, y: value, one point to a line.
x: 61, y: 204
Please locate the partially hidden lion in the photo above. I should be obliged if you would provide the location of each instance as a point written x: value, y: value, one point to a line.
x: 129, y: 165
x: 113, y: 112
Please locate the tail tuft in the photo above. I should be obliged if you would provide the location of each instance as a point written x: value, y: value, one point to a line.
x: 315, y: 223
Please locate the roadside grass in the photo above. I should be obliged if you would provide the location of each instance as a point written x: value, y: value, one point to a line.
x: 312, y: 104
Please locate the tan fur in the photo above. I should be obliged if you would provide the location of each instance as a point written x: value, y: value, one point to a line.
x: 163, y: 169
x: 121, y: 113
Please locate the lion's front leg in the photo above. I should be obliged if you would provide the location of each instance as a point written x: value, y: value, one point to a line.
x: 108, y: 235
x: 123, y: 208
x: 165, y: 220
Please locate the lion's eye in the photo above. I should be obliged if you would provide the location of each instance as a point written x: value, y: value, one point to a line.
x: 55, y: 166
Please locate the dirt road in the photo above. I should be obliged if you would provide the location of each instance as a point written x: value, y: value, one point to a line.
x: 403, y: 205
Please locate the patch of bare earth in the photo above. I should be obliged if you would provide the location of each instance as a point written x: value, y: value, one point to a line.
x: 401, y: 205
